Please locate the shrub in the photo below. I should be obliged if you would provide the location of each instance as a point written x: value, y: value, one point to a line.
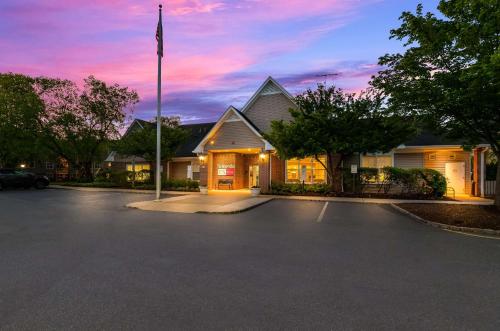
x: 418, y: 181
x: 180, y: 184
x: 354, y: 183
x: 297, y: 188
x: 435, y: 181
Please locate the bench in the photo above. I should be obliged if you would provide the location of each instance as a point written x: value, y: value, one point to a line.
x: 225, y: 182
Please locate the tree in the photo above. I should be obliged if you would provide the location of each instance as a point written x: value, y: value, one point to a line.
x: 450, y: 72
x: 142, y: 142
x: 20, y: 107
x: 78, y: 125
x: 337, y: 124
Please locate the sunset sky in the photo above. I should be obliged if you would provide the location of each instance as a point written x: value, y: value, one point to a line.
x: 217, y: 52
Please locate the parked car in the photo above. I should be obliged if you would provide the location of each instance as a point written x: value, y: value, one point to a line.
x: 16, y: 178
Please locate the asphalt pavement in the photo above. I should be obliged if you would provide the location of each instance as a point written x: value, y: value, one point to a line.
x: 82, y: 260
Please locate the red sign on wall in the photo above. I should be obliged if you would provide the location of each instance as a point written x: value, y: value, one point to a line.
x: 229, y: 171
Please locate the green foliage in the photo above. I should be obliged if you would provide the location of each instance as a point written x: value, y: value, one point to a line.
x: 79, y: 124
x: 354, y: 183
x: 120, y: 178
x: 491, y: 171
x: 337, y: 124
x: 449, y: 74
x: 180, y: 184
x: 20, y: 108
x: 142, y: 141
x: 291, y: 189
x: 417, y: 181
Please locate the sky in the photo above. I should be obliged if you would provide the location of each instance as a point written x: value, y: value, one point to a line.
x: 217, y: 52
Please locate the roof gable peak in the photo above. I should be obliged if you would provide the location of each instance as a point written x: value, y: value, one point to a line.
x: 269, y: 86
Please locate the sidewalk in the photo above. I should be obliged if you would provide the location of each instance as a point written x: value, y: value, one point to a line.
x: 213, y: 203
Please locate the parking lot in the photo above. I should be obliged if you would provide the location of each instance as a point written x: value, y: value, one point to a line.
x: 82, y: 260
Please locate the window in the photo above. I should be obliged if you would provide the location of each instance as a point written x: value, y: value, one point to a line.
x: 378, y: 162
x: 307, y: 170
x: 49, y: 166
x: 141, y: 171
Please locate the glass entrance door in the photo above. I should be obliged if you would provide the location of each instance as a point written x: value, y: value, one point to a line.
x: 253, y: 176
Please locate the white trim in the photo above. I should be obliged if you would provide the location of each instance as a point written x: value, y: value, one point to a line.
x: 201, y: 146
x: 233, y: 120
x: 254, y: 97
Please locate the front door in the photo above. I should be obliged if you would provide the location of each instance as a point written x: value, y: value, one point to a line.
x: 455, y: 176
x: 253, y: 176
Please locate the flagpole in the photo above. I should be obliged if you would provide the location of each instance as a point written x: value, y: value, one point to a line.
x: 158, y: 118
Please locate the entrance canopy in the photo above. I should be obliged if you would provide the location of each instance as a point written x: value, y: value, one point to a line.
x: 233, y: 131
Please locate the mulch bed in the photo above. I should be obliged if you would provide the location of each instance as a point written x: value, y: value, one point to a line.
x: 364, y: 195
x: 472, y: 216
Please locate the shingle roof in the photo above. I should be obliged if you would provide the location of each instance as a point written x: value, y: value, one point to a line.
x: 197, y: 133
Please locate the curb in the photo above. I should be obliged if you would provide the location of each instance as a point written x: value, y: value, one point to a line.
x: 374, y: 200
x: 235, y: 211
x: 464, y: 229
x: 118, y: 190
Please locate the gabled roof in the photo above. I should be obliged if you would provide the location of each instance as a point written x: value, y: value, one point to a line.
x: 270, y: 86
x: 228, y: 114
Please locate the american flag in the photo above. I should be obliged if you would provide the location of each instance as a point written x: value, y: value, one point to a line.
x: 159, y: 36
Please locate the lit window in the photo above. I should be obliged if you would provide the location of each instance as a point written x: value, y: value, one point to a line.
x: 141, y: 171
x: 307, y: 170
x: 378, y: 162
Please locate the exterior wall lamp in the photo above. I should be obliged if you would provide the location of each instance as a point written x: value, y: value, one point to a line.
x: 262, y: 155
x: 202, y: 158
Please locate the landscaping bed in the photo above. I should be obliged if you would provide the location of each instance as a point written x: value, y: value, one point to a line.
x: 181, y: 186
x: 471, y: 216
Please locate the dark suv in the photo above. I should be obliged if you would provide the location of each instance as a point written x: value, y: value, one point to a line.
x: 16, y: 178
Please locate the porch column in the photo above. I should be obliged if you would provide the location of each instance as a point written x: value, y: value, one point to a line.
x: 264, y: 173
x: 204, y: 171
x: 475, y: 172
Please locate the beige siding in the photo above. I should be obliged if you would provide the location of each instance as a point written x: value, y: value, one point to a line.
x: 233, y: 135
x: 409, y: 160
x: 269, y: 108
x: 442, y: 157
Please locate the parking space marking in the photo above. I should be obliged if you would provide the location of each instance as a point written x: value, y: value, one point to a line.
x: 322, y: 214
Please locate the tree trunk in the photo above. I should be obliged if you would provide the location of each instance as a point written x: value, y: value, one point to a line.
x: 334, y: 161
x: 497, y: 189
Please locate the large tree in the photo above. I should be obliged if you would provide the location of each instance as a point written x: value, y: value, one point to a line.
x: 78, y: 124
x: 20, y: 107
x: 337, y: 124
x: 142, y: 141
x: 450, y: 71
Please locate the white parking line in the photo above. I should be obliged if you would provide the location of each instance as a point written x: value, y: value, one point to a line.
x: 322, y: 214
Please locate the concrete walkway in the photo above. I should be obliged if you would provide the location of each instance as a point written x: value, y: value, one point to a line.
x: 220, y: 202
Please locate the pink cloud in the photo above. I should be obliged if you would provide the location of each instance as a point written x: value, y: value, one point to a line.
x: 207, y: 42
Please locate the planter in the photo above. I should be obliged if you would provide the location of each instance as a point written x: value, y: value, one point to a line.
x: 204, y: 190
x: 255, y: 191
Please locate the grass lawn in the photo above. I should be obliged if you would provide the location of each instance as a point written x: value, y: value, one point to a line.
x: 472, y: 216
